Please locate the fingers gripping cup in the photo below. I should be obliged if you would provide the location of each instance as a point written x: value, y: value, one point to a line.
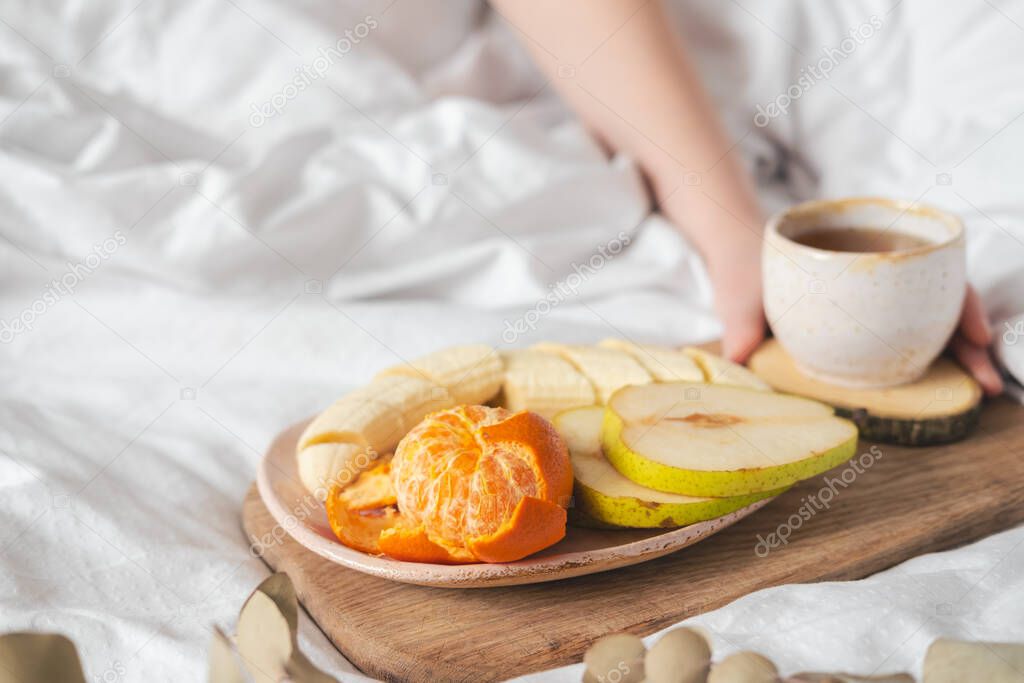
x: 863, y: 292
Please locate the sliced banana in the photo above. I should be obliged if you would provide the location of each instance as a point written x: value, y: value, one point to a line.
x: 664, y: 364
x: 378, y: 414
x: 718, y: 370
x: 347, y: 438
x: 324, y: 465
x: 544, y: 383
x: 472, y: 373
x: 608, y: 370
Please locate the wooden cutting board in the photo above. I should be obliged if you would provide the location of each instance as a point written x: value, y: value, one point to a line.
x: 908, y: 501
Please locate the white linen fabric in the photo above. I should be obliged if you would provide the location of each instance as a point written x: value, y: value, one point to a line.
x: 217, y: 216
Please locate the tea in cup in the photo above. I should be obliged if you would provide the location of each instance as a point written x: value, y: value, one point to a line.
x: 864, y: 292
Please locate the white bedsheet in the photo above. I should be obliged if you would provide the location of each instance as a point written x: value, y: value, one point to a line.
x: 223, y: 269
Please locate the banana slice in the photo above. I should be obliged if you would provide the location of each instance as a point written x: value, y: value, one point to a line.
x: 718, y: 370
x: 664, y: 364
x: 378, y: 414
x: 544, y: 383
x: 472, y: 373
x: 368, y: 421
x: 608, y: 370
x: 323, y: 465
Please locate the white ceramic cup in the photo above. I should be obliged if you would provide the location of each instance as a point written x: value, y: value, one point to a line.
x: 864, y: 319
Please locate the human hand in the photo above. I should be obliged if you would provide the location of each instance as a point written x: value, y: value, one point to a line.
x: 970, y: 345
x: 736, y: 280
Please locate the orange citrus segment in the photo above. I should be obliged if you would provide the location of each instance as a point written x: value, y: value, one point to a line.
x: 534, y: 525
x: 358, y: 529
x: 372, y: 489
x: 548, y: 456
x: 463, y: 474
x: 471, y: 483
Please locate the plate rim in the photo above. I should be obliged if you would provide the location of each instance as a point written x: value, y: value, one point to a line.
x: 477, y: 575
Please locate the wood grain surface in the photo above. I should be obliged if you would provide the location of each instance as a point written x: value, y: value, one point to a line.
x: 904, y: 502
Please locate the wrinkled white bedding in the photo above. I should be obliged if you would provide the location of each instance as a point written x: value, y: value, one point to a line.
x: 196, y: 251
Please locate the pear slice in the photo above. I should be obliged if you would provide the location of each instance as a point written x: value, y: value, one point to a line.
x: 603, y: 495
x: 714, y: 440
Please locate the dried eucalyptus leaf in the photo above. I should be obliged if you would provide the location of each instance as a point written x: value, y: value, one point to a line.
x: 265, y: 638
x: 616, y: 657
x: 848, y: 678
x: 951, y: 661
x: 682, y: 655
x: 39, y: 658
x: 744, y: 667
x: 279, y: 588
x: 301, y: 670
x: 267, y: 635
x: 224, y: 665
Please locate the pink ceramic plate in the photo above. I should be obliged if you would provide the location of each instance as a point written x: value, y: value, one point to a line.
x: 582, y: 551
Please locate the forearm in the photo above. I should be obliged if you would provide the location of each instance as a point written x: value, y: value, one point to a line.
x: 626, y: 74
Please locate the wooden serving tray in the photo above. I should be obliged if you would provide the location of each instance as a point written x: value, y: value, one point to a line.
x: 908, y: 501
